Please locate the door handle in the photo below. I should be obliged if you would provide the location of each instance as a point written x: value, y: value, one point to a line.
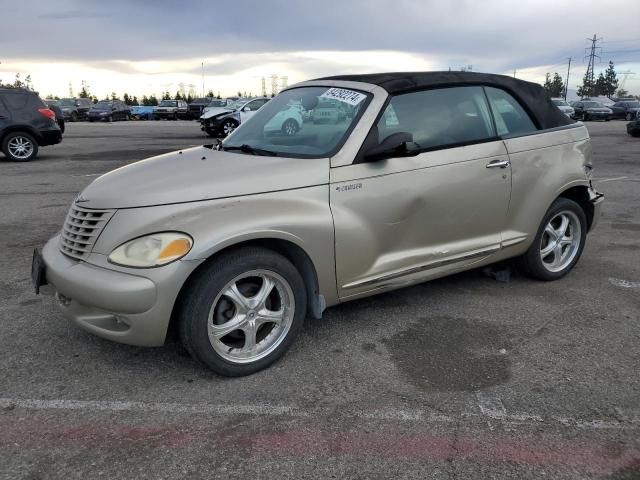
x: 498, y: 164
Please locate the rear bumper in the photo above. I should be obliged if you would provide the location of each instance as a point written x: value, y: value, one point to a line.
x: 50, y: 137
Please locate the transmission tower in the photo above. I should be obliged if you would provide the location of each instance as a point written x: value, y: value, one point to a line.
x: 590, y: 75
x: 70, y: 90
x: 625, y: 76
x: 264, y: 86
x: 274, y: 85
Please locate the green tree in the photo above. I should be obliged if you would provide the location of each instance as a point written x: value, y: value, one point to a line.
x: 218, y: 96
x: 166, y: 96
x: 587, y: 87
x: 611, y: 80
x: 189, y: 98
x: 621, y: 93
x: 145, y: 101
x: 134, y: 101
x: 153, y: 101
x: 114, y: 96
x: 601, y: 87
x: 126, y: 99
x: 84, y: 93
x: 178, y: 96
x: 210, y: 94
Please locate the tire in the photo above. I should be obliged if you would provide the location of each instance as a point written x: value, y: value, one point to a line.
x: 20, y: 147
x: 629, y: 117
x: 585, y: 117
x: 74, y: 117
x: 535, y: 263
x: 290, y: 127
x: 110, y: 118
x: 228, y: 127
x: 607, y: 119
x: 204, y: 306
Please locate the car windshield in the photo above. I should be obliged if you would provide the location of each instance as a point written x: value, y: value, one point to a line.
x: 593, y: 104
x: 235, y: 104
x: 217, y: 103
x: 304, y: 122
x: 168, y: 103
x: 67, y: 102
x: 560, y: 103
x: 102, y: 106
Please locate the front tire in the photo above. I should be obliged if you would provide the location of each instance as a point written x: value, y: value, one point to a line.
x: 585, y: 117
x: 243, y: 311
x: 74, y: 117
x: 229, y: 126
x: 20, y: 147
x: 629, y: 117
x: 290, y: 127
x: 559, y: 242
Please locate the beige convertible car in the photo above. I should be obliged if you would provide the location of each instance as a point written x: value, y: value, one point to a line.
x: 421, y: 176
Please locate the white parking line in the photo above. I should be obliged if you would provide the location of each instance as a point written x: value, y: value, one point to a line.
x: 610, y: 179
x: 624, y: 283
x: 490, y: 407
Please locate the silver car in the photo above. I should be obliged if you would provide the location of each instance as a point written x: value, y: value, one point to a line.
x: 429, y: 174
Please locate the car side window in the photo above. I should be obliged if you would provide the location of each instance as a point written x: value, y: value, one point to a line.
x: 511, y: 119
x: 3, y: 109
x: 440, y: 117
x: 16, y: 100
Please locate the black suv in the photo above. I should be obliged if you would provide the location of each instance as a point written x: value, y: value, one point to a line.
x: 75, y: 109
x: 197, y: 106
x: 25, y: 123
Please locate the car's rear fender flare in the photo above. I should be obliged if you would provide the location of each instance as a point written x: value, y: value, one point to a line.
x: 21, y: 128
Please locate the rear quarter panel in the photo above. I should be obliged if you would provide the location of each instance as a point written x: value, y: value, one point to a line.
x: 543, y: 166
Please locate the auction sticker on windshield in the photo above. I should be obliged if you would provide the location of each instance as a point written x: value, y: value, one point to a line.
x: 344, y: 95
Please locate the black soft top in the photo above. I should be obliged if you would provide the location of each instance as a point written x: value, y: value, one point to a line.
x: 531, y: 95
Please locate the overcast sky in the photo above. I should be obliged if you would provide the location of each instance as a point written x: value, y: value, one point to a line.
x: 148, y: 46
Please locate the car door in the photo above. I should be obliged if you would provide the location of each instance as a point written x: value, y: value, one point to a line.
x: 617, y: 109
x: 404, y: 219
x: 252, y: 107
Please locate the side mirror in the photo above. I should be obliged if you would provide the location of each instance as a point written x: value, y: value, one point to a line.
x: 395, y: 145
x: 246, y: 109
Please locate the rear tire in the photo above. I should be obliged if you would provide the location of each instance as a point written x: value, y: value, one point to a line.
x: 290, y: 127
x: 558, y: 243
x: 74, y: 117
x: 629, y: 117
x: 20, y: 147
x: 229, y: 126
x: 242, y: 312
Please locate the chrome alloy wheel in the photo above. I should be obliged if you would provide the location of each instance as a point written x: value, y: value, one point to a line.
x: 560, y: 241
x: 290, y: 127
x: 251, y: 316
x: 228, y: 127
x: 20, y: 147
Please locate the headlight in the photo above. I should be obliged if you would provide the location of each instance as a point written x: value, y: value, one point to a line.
x: 152, y: 250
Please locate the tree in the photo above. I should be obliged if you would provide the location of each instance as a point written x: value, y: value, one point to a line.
x: 114, y: 96
x: 621, y: 93
x: 218, y: 96
x: 189, y: 98
x: 611, y: 80
x: 178, y: 96
x: 153, y: 101
x: 135, y: 101
x: 601, y: 87
x: 210, y: 94
x: 84, y: 93
x: 555, y: 87
x: 126, y: 99
x: 145, y: 101
x: 166, y: 96
x: 586, y: 89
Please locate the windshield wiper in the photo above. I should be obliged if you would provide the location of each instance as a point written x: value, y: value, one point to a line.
x: 249, y: 149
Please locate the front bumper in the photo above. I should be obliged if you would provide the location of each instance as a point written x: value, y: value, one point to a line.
x: 132, y: 307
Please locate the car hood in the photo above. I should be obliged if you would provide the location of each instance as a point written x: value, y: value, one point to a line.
x: 212, y: 112
x: 198, y: 174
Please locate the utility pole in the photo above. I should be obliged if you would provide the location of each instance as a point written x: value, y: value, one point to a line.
x: 514, y: 73
x: 566, y: 83
x: 202, y: 65
x: 590, y: 75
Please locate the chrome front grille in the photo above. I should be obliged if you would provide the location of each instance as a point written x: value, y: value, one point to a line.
x: 81, y: 230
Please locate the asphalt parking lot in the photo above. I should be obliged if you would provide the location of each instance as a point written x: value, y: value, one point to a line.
x: 463, y: 377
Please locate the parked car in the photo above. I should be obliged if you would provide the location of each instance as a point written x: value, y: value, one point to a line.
x: 109, y: 111
x: 591, y: 110
x: 197, y: 106
x: 328, y: 111
x: 564, y: 107
x: 237, y: 244
x: 55, y: 108
x: 142, y: 112
x: 223, y: 121
x: 633, y: 127
x: 287, y: 121
x: 216, y: 103
x: 626, y: 109
x: 75, y: 109
x: 171, y: 109
x: 26, y: 123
